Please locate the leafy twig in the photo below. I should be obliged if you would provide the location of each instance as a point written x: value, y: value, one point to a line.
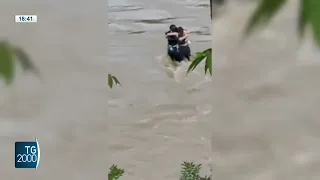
x: 115, y: 172
x: 263, y: 14
x: 6, y: 62
x: 200, y: 56
x: 191, y: 171
x: 8, y: 53
x: 309, y: 13
x: 112, y: 79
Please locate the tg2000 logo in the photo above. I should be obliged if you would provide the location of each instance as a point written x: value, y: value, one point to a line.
x: 27, y: 154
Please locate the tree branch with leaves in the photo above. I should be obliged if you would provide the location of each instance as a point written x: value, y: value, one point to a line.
x: 113, y: 80
x: 309, y: 14
x: 9, y: 53
x: 189, y: 171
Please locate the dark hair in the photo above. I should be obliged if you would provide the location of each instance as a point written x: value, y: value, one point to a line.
x: 180, y: 31
x: 173, y: 27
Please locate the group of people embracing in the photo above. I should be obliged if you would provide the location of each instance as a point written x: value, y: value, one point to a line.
x: 178, y: 45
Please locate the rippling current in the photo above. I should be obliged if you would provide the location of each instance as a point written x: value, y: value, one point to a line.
x: 157, y: 121
x: 265, y: 117
x: 257, y: 118
x: 81, y: 125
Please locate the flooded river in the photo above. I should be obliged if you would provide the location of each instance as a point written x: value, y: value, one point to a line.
x: 265, y: 117
x: 151, y: 123
x: 257, y: 118
x: 155, y: 121
x: 67, y: 110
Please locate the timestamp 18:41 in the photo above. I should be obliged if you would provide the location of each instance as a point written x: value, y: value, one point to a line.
x: 25, y: 18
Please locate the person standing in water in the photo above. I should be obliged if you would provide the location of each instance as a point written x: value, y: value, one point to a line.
x: 178, y: 47
x: 173, y: 47
x: 183, y: 43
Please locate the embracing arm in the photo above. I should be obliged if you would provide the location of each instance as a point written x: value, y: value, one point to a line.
x: 184, y: 37
x: 171, y: 34
x: 186, y: 31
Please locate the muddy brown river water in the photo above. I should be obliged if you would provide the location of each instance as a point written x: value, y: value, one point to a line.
x: 265, y: 117
x: 82, y: 126
x: 256, y: 118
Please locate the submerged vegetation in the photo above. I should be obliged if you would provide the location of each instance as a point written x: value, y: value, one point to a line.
x: 189, y: 171
x: 115, y: 172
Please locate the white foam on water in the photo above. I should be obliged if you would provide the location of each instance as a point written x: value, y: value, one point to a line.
x: 143, y: 14
x: 177, y: 70
x: 119, y: 3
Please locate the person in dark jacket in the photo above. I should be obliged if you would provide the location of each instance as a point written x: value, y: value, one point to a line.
x: 173, y: 47
x: 178, y: 48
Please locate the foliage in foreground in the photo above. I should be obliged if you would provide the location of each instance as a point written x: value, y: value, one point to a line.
x: 309, y: 14
x: 115, y: 172
x: 9, y: 53
x: 199, y: 57
x: 189, y: 171
x: 112, y: 79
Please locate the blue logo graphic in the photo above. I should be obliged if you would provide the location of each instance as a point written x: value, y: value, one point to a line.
x: 27, y: 154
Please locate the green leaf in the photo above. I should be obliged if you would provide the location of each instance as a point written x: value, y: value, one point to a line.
x: 25, y: 60
x: 304, y: 16
x: 208, y: 65
x: 314, y: 12
x: 190, y: 171
x: 113, y: 79
x: 199, y: 57
x: 263, y: 14
x: 116, y: 80
x: 115, y: 172
x: 6, y: 62
x: 110, y: 80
